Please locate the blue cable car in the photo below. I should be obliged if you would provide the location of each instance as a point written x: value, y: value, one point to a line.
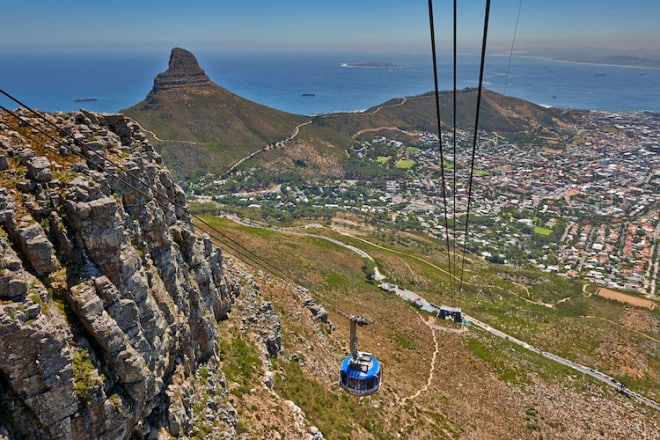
x: 360, y: 373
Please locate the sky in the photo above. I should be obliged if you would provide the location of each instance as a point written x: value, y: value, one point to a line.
x: 331, y: 25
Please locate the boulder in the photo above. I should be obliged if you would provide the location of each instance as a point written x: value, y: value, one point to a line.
x: 38, y: 168
x: 37, y: 248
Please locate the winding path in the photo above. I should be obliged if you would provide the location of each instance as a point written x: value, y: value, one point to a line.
x: 164, y: 140
x: 403, y: 101
x: 236, y: 163
x: 431, y: 368
x: 367, y: 130
x: 380, y: 107
x: 295, y: 133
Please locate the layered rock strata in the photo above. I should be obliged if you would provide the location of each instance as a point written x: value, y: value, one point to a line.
x: 183, y: 71
x: 106, y: 294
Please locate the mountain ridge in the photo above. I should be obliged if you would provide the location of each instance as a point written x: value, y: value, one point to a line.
x: 205, y: 128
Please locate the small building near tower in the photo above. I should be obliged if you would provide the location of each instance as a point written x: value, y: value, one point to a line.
x: 453, y: 313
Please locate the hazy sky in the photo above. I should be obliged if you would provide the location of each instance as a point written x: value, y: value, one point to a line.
x: 362, y: 25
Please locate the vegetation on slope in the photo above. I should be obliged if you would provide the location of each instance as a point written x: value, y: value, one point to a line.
x: 518, y: 382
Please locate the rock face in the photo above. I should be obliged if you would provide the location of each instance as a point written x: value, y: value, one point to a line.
x: 183, y: 72
x: 106, y: 294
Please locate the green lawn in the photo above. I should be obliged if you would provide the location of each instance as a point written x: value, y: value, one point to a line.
x: 542, y: 231
x: 383, y: 159
x: 405, y: 164
x: 412, y: 149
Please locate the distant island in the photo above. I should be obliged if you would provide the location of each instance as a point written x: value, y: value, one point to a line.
x: 369, y: 64
x: 87, y: 99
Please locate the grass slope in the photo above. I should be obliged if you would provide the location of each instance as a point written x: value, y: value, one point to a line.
x: 204, y: 129
x: 483, y: 387
x: 505, y: 115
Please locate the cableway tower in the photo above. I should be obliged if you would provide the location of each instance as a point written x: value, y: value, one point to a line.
x: 360, y: 372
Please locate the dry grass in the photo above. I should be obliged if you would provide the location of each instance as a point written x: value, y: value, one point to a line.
x: 624, y: 298
x: 481, y: 385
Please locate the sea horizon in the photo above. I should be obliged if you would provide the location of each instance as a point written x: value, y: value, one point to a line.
x: 315, y: 83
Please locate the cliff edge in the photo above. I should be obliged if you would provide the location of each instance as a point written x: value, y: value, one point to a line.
x: 107, y: 297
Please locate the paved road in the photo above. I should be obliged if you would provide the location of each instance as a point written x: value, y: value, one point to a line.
x: 409, y: 295
x: 574, y: 365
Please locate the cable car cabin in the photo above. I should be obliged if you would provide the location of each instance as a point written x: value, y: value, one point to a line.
x: 360, y: 376
x: 360, y: 372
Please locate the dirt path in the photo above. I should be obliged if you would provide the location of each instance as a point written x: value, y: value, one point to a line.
x: 295, y: 133
x: 538, y: 303
x: 432, y: 367
x: 367, y: 130
x: 164, y: 140
x: 379, y: 108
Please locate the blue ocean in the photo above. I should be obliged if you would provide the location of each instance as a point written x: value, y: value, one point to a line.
x: 312, y: 83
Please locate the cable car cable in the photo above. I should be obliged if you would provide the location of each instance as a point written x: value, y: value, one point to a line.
x: 453, y: 278
x: 513, y: 43
x: 474, y: 139
x: 438, y: 120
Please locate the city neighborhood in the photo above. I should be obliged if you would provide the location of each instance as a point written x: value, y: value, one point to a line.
x: 587, y: 207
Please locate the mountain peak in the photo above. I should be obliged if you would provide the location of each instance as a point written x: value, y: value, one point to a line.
x: 182, y: 60
x: 183, y: 71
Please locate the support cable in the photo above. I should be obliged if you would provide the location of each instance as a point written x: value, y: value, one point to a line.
x: 109, y: 164
x: 453, y: 278
x: 474, y: 139
x: 438, y: 119
x: 513, y: 43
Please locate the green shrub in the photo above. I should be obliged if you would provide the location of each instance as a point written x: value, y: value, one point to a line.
x: 85, y: 377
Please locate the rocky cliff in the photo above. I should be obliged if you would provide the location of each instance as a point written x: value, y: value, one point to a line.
x: 183, y: 72
x: 109, y: 302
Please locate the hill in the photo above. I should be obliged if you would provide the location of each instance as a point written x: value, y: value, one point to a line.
x: 201, y: 127
x: 444, y: 380
x: 507, y: 116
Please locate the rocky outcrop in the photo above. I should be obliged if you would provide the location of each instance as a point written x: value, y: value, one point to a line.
x: 183, y: 71
x: 108, y: 300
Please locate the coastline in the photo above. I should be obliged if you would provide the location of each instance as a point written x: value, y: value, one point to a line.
x: 119, y: 81
x: 588, y: 63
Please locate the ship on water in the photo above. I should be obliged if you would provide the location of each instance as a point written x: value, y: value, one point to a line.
x: 86, y: 99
